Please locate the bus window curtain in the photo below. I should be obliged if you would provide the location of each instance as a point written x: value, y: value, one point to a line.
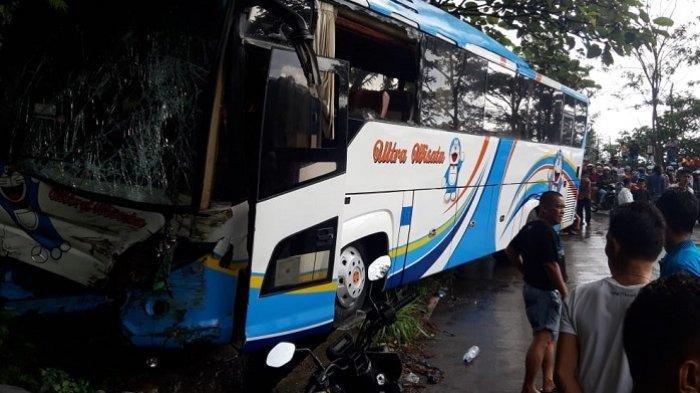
x: 324, y: 45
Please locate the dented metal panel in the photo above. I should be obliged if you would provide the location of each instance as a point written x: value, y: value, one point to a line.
x: 56, y: 230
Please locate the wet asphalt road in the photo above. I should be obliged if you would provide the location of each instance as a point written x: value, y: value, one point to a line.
x: 485, y: 308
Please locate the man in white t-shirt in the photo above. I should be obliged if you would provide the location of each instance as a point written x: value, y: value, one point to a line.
x: 625, y: 195
x: 590, y: 355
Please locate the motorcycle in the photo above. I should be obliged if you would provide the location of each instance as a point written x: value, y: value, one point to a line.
x: 609, y: 200
x: 355, y: 364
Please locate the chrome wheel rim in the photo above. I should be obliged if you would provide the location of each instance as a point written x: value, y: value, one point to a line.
x: 351, y: 276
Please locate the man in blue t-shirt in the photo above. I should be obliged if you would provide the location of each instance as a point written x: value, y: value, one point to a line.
x: 680, y: 209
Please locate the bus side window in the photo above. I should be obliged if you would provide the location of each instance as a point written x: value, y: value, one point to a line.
x: 452, y: 87
x: 520, y: 107
x: 568, y: 125
x: 545, y: 115
x: 382, y: 72
x: 500, y: 113
x: 580, y: 130
x: 376, y: 96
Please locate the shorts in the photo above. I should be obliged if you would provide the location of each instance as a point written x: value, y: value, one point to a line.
x: 543, y: 309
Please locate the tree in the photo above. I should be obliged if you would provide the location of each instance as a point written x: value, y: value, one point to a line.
x: 556, y: 64
x: 659, y: 55
x: 593, y: 153
x: 549, y: 30
x: 681, y: 122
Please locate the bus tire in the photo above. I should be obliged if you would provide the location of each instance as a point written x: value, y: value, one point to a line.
x: 352, y: 281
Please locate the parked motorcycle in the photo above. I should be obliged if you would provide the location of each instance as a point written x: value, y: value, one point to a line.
x: 355, y: 364
x: 608, y: 202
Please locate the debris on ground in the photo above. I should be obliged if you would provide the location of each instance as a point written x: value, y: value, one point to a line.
x: 412, y: 378
x: 471, y: 354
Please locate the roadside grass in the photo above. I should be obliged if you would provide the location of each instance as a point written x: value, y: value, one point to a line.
x: 410, y: 322
x: 19, y: 364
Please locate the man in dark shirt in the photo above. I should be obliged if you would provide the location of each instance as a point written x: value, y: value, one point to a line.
x: 641, y: 194
x: 538, y: 252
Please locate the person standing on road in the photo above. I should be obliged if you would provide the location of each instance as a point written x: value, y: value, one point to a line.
x: 584, y: 199
x: 683, y: 181
x: 538, y: 253
x: 664, y: 352
x: 641, y: 194
x: 680, y: 209
x: 625, y: 195
x: 590, y: 354
x: 656, y: 183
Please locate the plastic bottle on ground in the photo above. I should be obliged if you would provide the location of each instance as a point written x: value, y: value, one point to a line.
x: 471, y: 354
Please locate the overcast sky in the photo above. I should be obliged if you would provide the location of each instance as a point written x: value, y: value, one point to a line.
x: 616, y: 115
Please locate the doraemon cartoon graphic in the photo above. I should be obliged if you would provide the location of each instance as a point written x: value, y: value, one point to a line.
x: 456, y: 159
x: 556, y: 180
x: 19, y: 198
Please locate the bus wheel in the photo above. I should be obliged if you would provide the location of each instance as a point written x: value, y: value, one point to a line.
x: 352, y: 281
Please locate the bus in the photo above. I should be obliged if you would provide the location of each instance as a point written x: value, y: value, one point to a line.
x: 224, y: 171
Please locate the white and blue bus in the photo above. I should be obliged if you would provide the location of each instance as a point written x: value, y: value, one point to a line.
x: 219, y: 171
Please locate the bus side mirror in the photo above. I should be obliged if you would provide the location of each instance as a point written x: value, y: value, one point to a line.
x: 379, y: 268
x: 281, y: 354
x: 301, y: 37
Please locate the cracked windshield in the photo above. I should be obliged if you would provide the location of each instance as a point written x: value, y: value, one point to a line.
x: 108, y: 97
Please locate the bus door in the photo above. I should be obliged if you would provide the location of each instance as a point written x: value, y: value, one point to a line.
x: 300, y: 197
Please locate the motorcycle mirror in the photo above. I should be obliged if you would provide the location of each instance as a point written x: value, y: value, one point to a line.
x: 281, y: 354
x: 379, y: 268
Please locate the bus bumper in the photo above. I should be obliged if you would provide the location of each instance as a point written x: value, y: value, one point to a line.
x: 197, y: 307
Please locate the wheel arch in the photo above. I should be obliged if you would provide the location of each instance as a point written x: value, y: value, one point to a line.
x: 374, y: 230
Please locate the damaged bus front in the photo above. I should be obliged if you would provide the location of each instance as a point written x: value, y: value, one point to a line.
x: 127, y: 182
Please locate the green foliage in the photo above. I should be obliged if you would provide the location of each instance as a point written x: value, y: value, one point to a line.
x: 597, y: 29
x: 592, y: 146
x: 680, y: 122
x: 58, y: 381
x: 557, y: 64
x: 19, y: 367
x: 663, y: 21
x: 660, y: 53
x: 408, y: 325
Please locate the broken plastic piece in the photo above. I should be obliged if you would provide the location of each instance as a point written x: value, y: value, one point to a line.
x: 412, y: 378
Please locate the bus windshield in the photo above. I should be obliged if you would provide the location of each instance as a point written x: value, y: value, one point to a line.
x: 108, y: 96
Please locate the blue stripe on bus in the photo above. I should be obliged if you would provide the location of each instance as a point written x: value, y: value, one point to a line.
x: 406, y: 213
x: 479, y: 241
x: 269, y: 314
x: 421, y: 265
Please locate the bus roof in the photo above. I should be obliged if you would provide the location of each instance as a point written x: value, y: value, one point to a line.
x: 436, y: 22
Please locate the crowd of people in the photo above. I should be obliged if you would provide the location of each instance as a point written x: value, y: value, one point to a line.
x: 628, y: 332
x: 643, y: 184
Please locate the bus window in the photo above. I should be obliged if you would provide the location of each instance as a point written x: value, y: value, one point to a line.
x: 376, y: 96
x: 296, y: 146
x: 546, y: 114
x: 383, y: 71
x: 580, y: 130
x: 499, y: 100
x: 521, y: 108
x: 452, y: 87
x: 567, y: 132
